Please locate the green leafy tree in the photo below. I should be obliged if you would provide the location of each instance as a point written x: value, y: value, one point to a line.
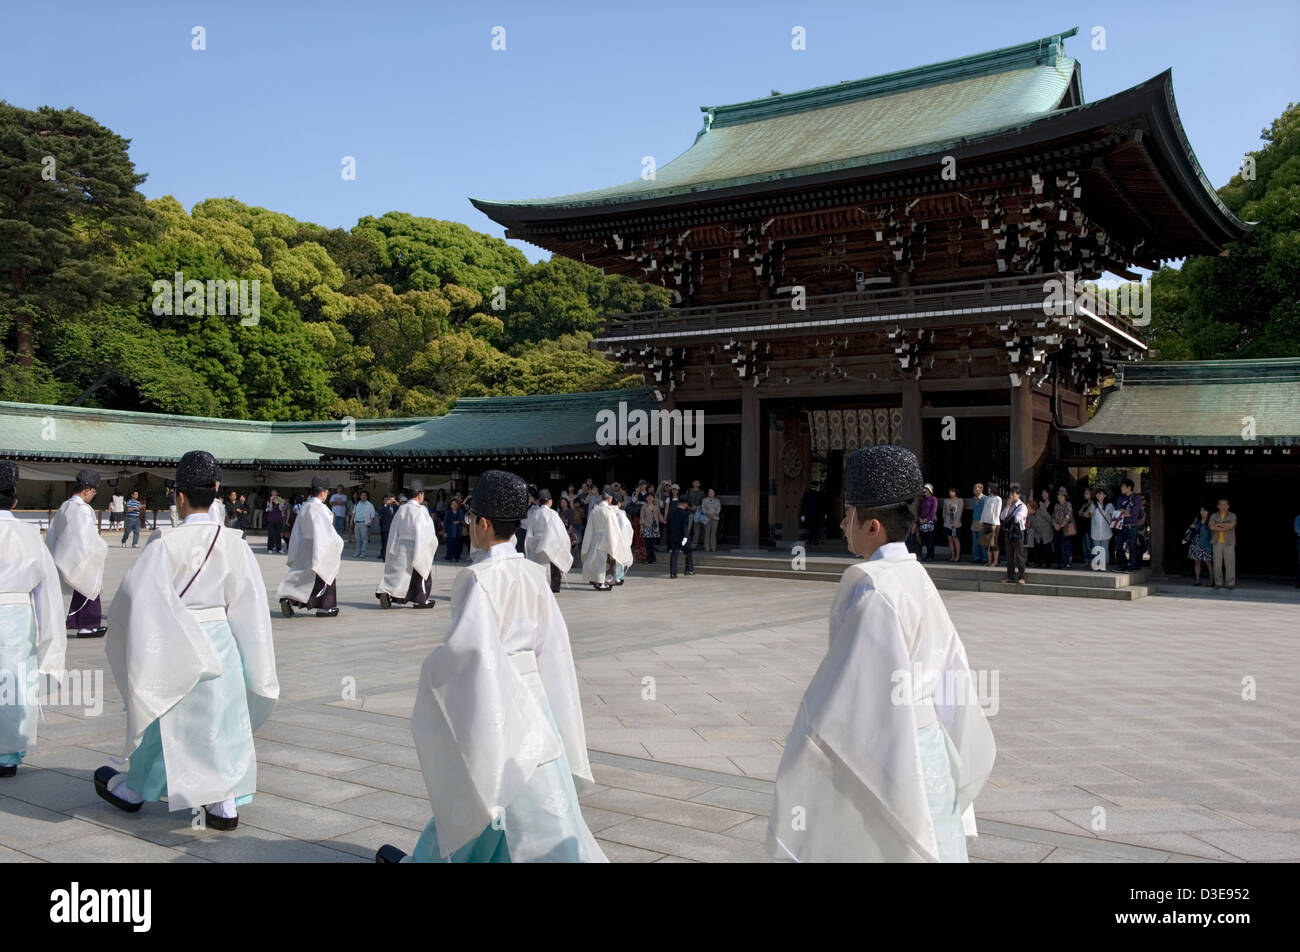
x: 1246, y: 304
x: 424, y: 253
x: 68, y: 200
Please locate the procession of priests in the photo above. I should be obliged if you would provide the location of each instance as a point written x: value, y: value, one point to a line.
x: 887, y: 753
x: 409, y: 558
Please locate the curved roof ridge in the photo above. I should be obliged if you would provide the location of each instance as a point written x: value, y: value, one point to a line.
x: 1041, y: 52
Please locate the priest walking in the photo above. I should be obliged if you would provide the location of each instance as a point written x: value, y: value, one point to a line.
x: 890, y: 746
x: 409, y: 559
x: 497, y: 719
x: 604, y: 546
x: 192, y: 655
x: 547, y: 542
x: 626, y: 535
x: 217, y: 510
x: 314, y: 552
x: 33, y: 640
x: 79, y: 552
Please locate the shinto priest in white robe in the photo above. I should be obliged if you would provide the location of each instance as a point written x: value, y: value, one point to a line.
x: 498, y: 724
x: 79, y: 552
x: 409, y: 561
x: 313, y: 557
x: 603, y: 539
x: 891, y: 721
x: 625, y: 526
x: 33, y: 640
x: 547, y: 542
x: 196, y: 672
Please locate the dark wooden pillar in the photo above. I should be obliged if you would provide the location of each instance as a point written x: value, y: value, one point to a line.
x: 399, y: 476
x: 912, y: 433
x: 750, y: 466
x: 667, y: 467
x: 1023, y: 449
x: 1155, y: 503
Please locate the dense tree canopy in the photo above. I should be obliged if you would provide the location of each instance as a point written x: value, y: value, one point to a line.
x: 398, y: 316
x: 1246, y: 304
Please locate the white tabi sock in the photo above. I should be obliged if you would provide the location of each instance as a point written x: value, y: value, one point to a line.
x: 118, y: 788
x: 225, y: 809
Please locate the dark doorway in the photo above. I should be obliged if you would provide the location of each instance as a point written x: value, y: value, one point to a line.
x: 1266, y: 542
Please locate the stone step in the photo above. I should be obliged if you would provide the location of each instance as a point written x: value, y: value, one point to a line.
x: 1080, y: 583
x: 1072, y: 578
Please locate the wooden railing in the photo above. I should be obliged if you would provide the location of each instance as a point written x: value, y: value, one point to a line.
x: 990, y: 293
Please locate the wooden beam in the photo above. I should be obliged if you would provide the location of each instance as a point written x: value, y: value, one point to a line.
x: 1156, y: 513
x: 938, y: 413
x: 749, y: 468
x: 912, y: 432
x: 1022, y: 435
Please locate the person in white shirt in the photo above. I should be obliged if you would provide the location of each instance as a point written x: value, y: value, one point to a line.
x: 992, y: 519
x: 338, y: 507
x: 1103, y: 514
x: 1013, y: 532
x: 363, y: 517
x: 116, y: 508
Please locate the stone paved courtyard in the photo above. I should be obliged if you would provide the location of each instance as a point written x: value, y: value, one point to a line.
x: 1133, y: 708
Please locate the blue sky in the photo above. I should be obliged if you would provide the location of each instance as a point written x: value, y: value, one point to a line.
x: 582, y: 91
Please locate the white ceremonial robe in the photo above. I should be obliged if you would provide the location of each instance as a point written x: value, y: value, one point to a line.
x: 623, y: 555
x: 174, y: 663
x: 498, y: 703
x: 314, y: 550
x: 79, y: 552
x: 412, y: 546
x: 217, y: 512
x: 33, y: 639
x: 603, y: 538
x: 851, y: 786
x: 547, y: 542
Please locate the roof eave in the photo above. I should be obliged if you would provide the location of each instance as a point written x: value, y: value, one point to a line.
x: 1153, y: 98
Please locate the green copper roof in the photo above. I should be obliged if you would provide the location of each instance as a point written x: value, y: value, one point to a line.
x: 857, y: 123
x: 35, y: 431
x: 1199, y: 403
x: 545, y: 425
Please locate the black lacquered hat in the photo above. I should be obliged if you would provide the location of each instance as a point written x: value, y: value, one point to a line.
x: 87, y: 479
x: 8, y: 476
x: 499, y: 495
x: 320, y: 482
x: 197, y: 469
x: 882, y: 476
